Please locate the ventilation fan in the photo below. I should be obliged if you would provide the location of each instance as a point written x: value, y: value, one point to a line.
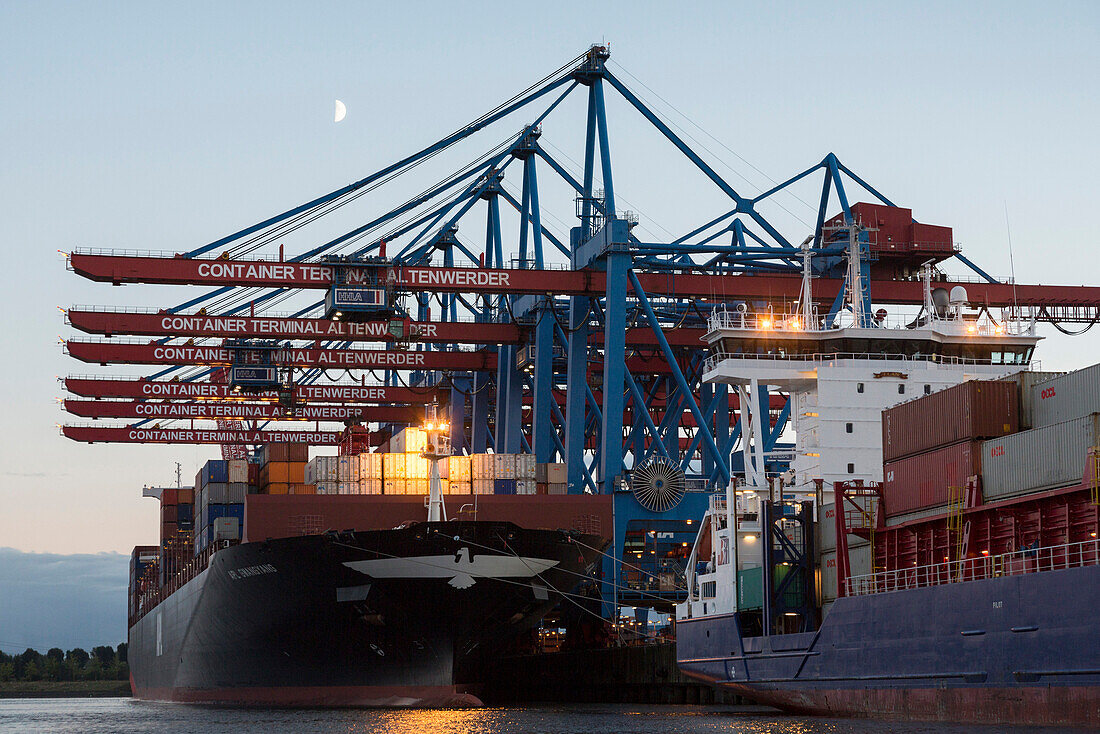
x: 658, y: 484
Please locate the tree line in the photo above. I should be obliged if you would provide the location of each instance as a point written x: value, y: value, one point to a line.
x: 102, y: 663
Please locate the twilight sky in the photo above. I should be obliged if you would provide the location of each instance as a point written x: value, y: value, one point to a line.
x: 127, y: 125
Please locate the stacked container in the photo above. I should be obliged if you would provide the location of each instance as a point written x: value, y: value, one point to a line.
x: 1040, y: 459
x: 931, y: 444
x: 459, y: 471
x: 282, y: 468
x: 370, y: 474
x: 1065, y: 397
x: 218, y: 498
x: 551, y: 478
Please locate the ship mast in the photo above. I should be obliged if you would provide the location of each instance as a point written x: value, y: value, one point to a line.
x: 438, y: 446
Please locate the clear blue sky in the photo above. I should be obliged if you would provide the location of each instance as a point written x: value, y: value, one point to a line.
x: 132, y: 125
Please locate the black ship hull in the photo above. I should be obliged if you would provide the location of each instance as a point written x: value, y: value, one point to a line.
x: 374, y: 618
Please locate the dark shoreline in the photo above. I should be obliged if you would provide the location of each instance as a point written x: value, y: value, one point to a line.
x: 65, y: 689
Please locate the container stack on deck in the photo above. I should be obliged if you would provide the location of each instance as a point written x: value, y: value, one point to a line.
x: 177, y: 511
x: 962, y: 480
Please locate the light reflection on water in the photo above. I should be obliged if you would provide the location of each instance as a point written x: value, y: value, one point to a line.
x: 117, y: 715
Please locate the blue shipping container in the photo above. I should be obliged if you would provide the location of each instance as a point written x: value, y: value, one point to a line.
x: 215, y: 471
x: 185, y: 513
x: 504, y: 486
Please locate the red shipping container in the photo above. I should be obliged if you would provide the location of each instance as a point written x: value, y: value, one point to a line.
x: 972, y: 410
x: 185, y: 496
x: 254, y: 474
x: 169, y: 496
x: 931, y: 479
x: 168, y: 513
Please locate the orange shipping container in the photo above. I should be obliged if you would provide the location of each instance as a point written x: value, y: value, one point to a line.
x: 303, y: 489
x: 277, y: 488
x: 283, y: 472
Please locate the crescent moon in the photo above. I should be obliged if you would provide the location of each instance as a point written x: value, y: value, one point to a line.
x: 341, y: 111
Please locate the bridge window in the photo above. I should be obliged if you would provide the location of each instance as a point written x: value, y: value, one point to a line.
x: 851, y: 468
x: 927, y: 389
x: 848, y: 427
x: 901, y: 389
x: 859, y: 387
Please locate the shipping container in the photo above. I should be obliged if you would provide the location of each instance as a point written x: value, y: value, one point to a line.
x: 416, y: 467
x: 285, y: 472
x: 168, y: 513
x: 238, y: 471
x: 327, y: 488
x: 185, y: 513
x: 460, y: 468
x: 277, y: 488
x: 185, y: 495
x: 347, y: 488
x: 504, y: 466
x: 416, y: 486
x: 1039, y: 459
x: 550, y: 474
x: 320, y: 469
x: 393, y: 486
x: 826, y: 524
x: 1025, y: 381
x: 169, y: 496
x: 859, y: 559
x: 283, y: 452
x: 504, y: 486
x: 370, y: 486
x: 525, y: 466
x: 302, y: 489
x: 525, y: 486
x: 370, y: 466
x: 930, y: 479
x: 461, y: 487
x: 1066, y: 397
x: 214, y: 471
x: 347, y: 468
x: 969, y: 411
x: 483, y: 486
x: 214, y: 494
x: 557, y: 488
x: 393, y: 466
x: 409, y: 441
x: 236, y: 492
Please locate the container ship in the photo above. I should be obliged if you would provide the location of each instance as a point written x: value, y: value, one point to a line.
x: 306, y: 613
x: 929, y: 559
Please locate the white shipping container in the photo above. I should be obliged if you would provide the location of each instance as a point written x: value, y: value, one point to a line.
x: 504, y: 466
x: 393, y: 466
x: 525, y: 466
x: 460, y: 468
x: 321, y: 469
x: 370, y: 486
x: 370, y: 466
x: 1039, y: 459
x: 327, y: 488
x: 238, y: 471
x: 526, y: 486
x: 1066, y: 397
x: 482, y: 467
x: 483, y: 486
x: 826, y: 523
x: 461, y: 487
x: 416, y: 467
x: 347, y: 468
x: 859, y: 559
x: 416, y: 486
x: 393, y: 486
x: 347, y: 488
x: 409, y: 441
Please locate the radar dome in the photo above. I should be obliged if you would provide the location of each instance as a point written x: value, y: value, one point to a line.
x: 958, y: 296
x: 940, y: 300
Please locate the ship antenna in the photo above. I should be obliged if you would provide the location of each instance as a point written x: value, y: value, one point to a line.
x: 1011, y: 263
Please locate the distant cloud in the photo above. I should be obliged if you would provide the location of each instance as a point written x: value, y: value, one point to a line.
x: 53, y: 600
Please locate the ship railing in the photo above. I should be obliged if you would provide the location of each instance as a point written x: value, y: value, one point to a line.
x: 177, y: 577
x: 713, y: 361
x: 1015, y: 563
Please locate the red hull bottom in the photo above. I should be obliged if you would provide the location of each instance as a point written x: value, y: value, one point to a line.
x: 1026, y: 705
x: 320, y: 696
